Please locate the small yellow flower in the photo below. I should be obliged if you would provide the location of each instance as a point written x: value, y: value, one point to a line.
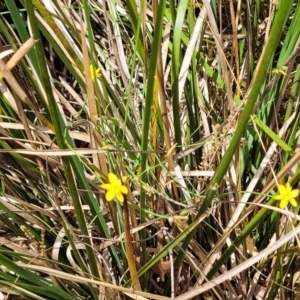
x: 95, y: 73
x: 115, y: 188
x: 286, y: 195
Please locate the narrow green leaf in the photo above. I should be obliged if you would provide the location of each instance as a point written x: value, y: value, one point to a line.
x: 273, y: 136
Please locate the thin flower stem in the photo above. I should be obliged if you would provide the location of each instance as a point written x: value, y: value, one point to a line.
x: 129, y: 248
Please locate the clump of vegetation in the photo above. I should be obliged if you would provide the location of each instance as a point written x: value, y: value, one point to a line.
x: 149, y: 150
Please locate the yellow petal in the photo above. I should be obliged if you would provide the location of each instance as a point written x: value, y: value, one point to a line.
x: 124, y: 189
x: 278, y: 197
x: 293, y: 202
x: 124, y: 178
x: 283, y: 203
x: 110, y: 194
x: 281, y: 188
x: 288, y: 186
x: 112, y: 178
x: 295, y: 193
x: 106, y: 186
x: 92, y: 72
x: 105, y: 147
x: 98, y: 73
x: 120, y: 197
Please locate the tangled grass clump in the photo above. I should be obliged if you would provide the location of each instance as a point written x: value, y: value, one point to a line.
x: 185, y: 113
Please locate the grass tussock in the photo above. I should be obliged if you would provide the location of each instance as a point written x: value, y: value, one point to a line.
x: 149, y: 150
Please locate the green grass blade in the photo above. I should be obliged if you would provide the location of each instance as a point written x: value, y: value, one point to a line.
x: 147, y: 110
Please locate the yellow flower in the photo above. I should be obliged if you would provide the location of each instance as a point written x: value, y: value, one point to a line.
x: 95, y: 73
x: 115, y: 188
x: 286, y: 195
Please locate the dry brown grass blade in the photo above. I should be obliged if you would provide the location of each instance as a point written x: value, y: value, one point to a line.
x: 164, y: 109
x: 30, y: 208
x: 27, y: 216
x: 43, y: 132
x: 99, y: 160
x: 20, y: 249
x: 79, y: 279
x: 66, y: 152
x: 11, y: 63
x: 13, y: 289
x: 222, y: 57
x: 19, y: 54
x: 129, y: 249
x: 10, y: 79
x: 235, y: 56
